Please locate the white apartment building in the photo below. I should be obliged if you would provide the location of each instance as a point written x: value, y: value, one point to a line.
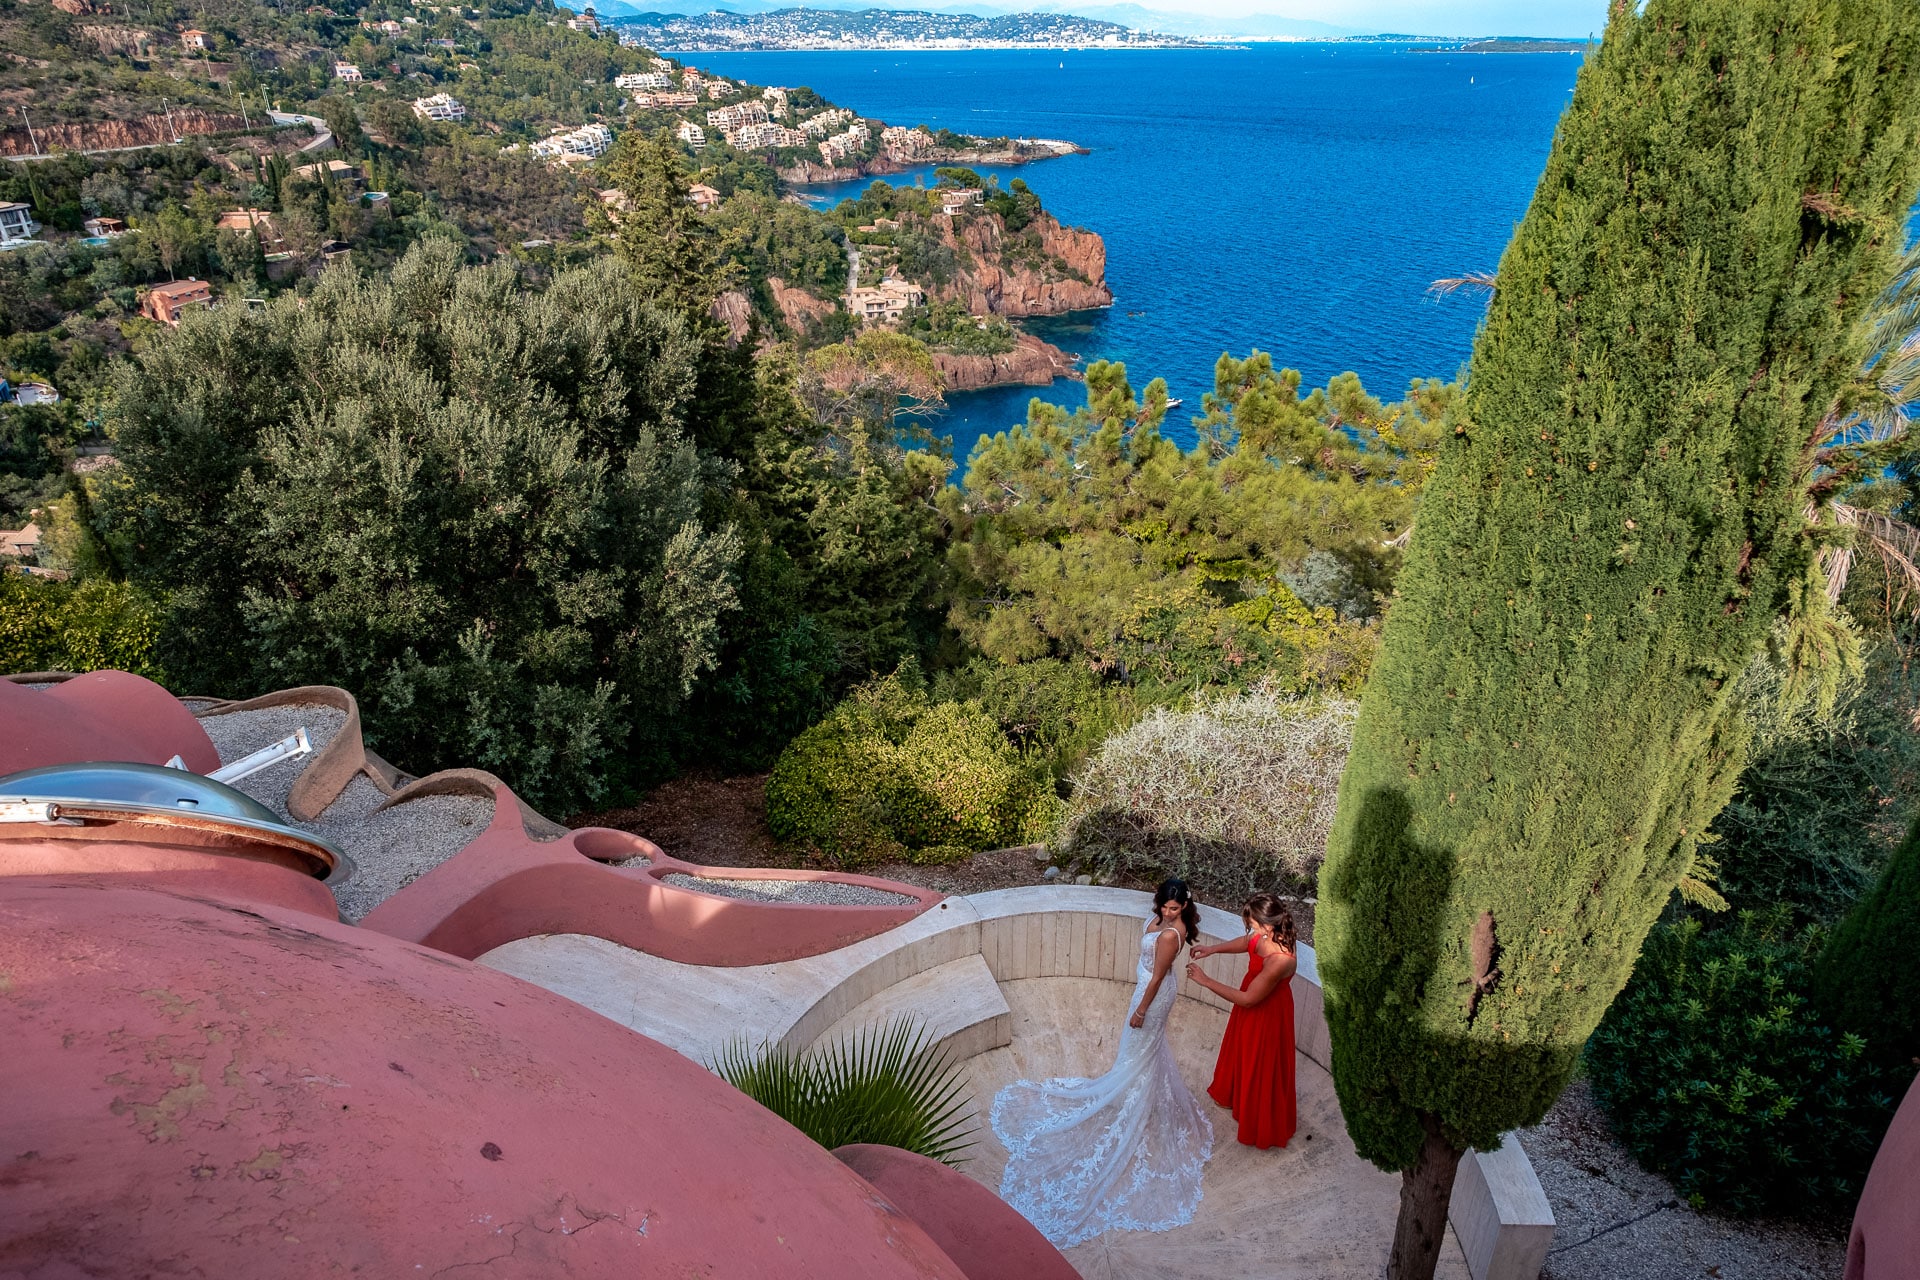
x: 663, y: 101
x: 644, y: 80
x: 826, y: 122
x: 691, y: 134
x: 844, y: 146
x: 740, y: 113
x: 661, y: 64
x: 586, y: 142
x: 776, y: 100
x: 346, y: 71
x: 439, y: 107
x: 753, y: 136
x: 905, y: 141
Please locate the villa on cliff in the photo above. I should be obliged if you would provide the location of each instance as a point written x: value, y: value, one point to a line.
x: 885, y: 302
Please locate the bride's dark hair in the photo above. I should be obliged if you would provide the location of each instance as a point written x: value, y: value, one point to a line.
x: 1176, y: 891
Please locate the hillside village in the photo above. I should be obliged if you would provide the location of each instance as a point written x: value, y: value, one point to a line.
x: 222, y: 157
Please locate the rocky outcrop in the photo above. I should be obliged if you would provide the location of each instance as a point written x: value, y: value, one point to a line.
x: 1001, y: 275
x: 798, y: 308
x: 734, y: 310
x: 1031, y: 363
x: 110, y: 134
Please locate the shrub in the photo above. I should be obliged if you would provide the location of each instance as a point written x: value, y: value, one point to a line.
x: 888, y: 1085
x: 1826, y: 794
x: 891, y: 774
x: 1234, y: 795
x: 1060, y: 710
x: 57, y: 626
x: 1715, y: 1074
x: 1868, y: 978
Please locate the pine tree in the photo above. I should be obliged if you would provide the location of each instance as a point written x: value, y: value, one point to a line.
x: 1614, y: 528
x: 1868, y: 978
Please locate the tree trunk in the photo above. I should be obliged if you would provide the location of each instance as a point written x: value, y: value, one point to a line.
x: 1425, y: 1192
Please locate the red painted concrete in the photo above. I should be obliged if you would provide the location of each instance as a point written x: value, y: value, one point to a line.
x: 103, y: 855
x: 984, y: 1237
x: 506, y: 886
x: 1885, y: 1244
x: 102, y: 715
x: 198, y: 1090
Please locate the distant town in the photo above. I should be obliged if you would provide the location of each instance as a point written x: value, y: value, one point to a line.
x: 817, y: 29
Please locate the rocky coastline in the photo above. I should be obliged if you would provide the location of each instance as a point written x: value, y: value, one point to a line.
x: 1069, y: 275
x: 1031, y: 363
x: 807, y: 173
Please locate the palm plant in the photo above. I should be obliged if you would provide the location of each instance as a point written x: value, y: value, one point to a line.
x: 890, y: 1085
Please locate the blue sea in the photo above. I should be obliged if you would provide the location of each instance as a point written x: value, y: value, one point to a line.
x: 1296, y: 199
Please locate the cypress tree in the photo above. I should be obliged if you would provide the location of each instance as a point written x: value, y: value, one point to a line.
x: 1868, y: 978
x: 1615, y: 525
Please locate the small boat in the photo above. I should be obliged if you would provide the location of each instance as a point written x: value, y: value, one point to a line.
x: 1175, y: 403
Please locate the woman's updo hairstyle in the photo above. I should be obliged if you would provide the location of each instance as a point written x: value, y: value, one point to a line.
x: 1176, y: 891
x: 1269, y: 910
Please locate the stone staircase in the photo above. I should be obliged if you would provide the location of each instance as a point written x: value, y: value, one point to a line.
x: 958, y: 1004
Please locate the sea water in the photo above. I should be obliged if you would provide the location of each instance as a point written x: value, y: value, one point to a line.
x: 1298, y: 199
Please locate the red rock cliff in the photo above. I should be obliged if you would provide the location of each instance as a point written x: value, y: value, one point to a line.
x: 1005, y: 277
x: 1031, y: 363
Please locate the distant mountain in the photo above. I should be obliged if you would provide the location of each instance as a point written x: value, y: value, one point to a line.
x: 1261, y: 26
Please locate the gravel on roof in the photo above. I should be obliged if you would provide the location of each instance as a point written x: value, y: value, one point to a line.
x: 390, y: 848
x: 830, y: 893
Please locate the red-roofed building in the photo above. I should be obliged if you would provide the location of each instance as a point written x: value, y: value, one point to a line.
x: 165, y: 302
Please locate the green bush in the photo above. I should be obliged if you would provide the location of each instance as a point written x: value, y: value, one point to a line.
x: 1868, y: 978
x: 1715, y: 1073
x: 58, y: 626
x: 890, y: 1086
x: 1060, y: 710
x: 892, y: 774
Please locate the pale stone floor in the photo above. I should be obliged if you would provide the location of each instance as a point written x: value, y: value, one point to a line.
x: 1313, y: 1211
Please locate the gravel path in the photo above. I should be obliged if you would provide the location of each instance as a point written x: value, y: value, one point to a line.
x: 831, y: 893
x: 1594, y: 1184
x: 391, y: 848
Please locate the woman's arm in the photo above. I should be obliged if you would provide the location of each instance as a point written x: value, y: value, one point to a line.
x: 1263, y: 985
x: 1163, y: 953
x: 1222, y: 948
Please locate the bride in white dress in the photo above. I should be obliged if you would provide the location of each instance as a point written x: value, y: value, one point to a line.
x: 1123, y: 1152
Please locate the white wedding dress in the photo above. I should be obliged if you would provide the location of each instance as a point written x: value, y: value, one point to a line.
x: 1120, y: 1153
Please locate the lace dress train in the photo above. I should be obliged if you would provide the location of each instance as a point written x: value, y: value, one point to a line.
x: 1123, y: 1152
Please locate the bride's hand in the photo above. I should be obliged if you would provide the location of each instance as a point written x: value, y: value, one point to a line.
x: 1138, y: 1020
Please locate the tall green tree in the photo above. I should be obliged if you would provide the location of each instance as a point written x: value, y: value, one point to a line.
x: 473, y: 505
x: 1614, y: 528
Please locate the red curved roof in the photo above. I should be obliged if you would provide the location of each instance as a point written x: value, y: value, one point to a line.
x: 216, y: 1089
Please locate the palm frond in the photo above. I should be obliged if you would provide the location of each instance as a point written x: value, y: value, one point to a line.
x: 1895, y: 542
x: 890, y: 1085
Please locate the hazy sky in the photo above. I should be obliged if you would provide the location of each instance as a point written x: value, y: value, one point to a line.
x: 1479, y: 17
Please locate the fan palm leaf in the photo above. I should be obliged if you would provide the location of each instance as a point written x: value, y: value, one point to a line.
x: 890, y: 1085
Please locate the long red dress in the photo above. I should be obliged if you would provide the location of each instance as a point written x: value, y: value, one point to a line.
x: 1254, y: 1079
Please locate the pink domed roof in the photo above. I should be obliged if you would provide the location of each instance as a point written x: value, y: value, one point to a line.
x: 201, y: 1089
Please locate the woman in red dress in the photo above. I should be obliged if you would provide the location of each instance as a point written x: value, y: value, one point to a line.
x: 1254, y: 1079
